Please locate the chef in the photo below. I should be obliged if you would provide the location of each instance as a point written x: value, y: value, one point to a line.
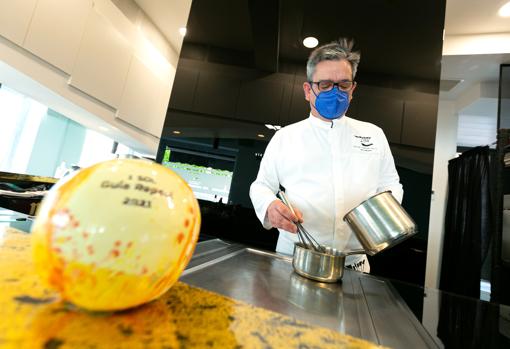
x: 328, y: 163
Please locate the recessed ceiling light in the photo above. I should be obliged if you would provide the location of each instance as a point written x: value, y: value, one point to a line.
x: 310, y: 42
x: 182, y: 31
x: 504, y: 11
x: 176, y: 132
x: 260, y: 135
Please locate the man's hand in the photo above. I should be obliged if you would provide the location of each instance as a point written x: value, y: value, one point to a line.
x: 281, y: 217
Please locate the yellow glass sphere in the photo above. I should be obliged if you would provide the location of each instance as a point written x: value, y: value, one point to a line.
x: 115, y: 235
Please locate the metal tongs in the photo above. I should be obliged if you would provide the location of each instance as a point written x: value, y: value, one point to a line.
x: 304, y: 236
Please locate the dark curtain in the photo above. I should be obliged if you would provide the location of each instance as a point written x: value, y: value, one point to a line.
x: 468, y: 222
x: 467, y: 322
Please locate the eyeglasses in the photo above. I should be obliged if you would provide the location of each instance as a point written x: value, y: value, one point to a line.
x: 327, y: 85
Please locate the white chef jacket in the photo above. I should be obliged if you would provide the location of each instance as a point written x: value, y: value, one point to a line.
x: 326, y: 168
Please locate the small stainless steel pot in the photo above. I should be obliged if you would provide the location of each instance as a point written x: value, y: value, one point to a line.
x: 325, y: 267
x: 380, y: 222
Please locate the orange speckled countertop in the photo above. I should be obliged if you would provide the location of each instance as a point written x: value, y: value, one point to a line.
x: 185, y: 317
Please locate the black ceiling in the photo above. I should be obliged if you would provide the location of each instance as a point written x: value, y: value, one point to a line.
x: 396, y: 37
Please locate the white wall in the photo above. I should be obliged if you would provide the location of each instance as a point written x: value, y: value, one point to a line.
x: 480, y: 98
x: 476, y: 44
x: 445, y: 149
x: 430, y: 317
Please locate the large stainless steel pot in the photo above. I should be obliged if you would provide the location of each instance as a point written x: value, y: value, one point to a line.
x: 380, y: 222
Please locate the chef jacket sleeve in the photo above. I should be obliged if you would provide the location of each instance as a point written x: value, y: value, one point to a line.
x: 263, y: 190
x: 388, y: 178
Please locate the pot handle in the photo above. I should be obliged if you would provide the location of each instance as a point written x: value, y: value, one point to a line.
x: 360, y: 251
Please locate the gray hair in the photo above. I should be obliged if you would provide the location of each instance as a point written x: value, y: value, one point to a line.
x: 334, y: 51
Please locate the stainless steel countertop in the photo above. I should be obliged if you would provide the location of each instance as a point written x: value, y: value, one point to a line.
x: 361, y: 305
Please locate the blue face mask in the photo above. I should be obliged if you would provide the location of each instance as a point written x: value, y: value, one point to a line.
x: 332, y: 104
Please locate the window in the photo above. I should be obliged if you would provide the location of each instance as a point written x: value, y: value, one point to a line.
x: 20, y: 120
x: 96, y: 148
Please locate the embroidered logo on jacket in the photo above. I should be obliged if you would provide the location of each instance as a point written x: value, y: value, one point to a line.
x: 363, y: 143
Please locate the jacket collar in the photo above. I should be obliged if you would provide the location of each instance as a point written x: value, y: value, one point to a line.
x: 316, y: 122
